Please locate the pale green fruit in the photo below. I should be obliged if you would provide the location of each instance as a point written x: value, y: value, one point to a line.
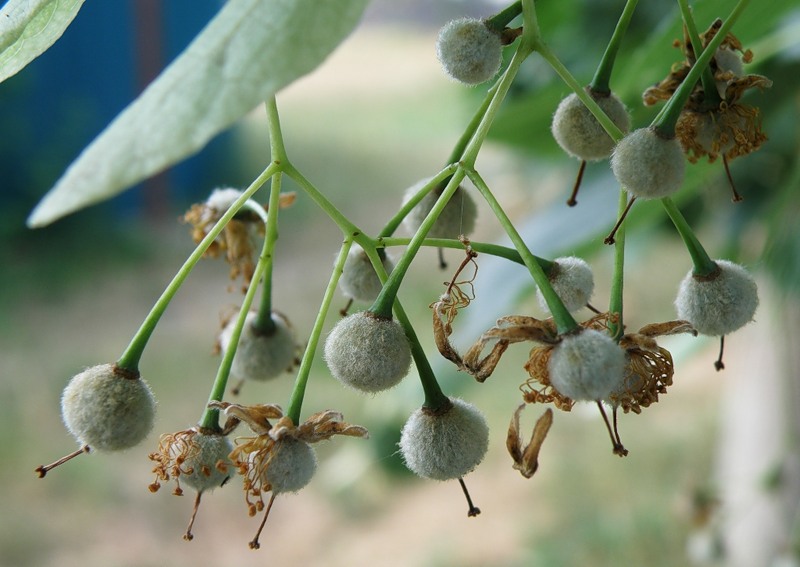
x: 446, y: 445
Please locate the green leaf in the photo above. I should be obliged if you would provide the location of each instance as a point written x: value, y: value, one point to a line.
x: 29, y: 27
x: 250, y: 50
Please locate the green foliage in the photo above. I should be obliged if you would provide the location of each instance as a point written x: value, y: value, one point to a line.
x: 248, y: 52
x: 29, y: 27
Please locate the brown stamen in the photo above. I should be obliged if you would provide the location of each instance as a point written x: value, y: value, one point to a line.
x: 736, y: 197
x: 718, y: 364
x: 573, y: 198
x: 188, y: 536
x: 473, y: 510
x: 44, y: 469
x: 619, y: 449
x: 610, y: 238
x: 254, y: 543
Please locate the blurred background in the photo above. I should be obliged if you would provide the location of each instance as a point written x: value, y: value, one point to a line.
x: 713, y: 476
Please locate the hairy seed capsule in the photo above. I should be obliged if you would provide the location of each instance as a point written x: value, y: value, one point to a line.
x: 108, y: 408
x: 647, y: 165
x: 359, y: 280
x: 292, y: 464
x: 260, y: 356
x: 579, y: 133
x: 573, y: 282
x: 221, y: 199
x: 447, y: 445
x: 587, y: 366
x: 720, y: 303
x: 367, y: 352
x: 457, y: 217
x: 469, y: 51
x: 208, y: 461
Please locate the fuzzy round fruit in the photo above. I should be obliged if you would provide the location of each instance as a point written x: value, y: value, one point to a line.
x: 648, y: 165
x: 720, y: 303
x: 259, y: 356
x: 444, y: 446
x: 367, y: 352
x: 579, y: 133
x: 209, y: 449
x: 587, y: 366
x: 469, y: 51
x: 107, y: 408
x: 222, y: 199
x: 572, y: 281
x: 457, y: 217
x: 292, y: 465
x: 359, y: 280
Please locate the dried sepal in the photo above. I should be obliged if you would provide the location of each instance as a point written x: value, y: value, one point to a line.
x: 538, y: 389
x: 256, y: 417
x: 237, y: 238
x: 717, y: 124
x: 649, y: 369
x: 318, y: 427
x: 526, y: 460
x: 279, y: 458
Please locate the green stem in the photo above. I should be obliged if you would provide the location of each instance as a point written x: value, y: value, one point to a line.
x: 434, y: 397
x: 385, y: 300
x: 703, y: 264
x: 481, y: 247
x: 471, y: 150
x: 499, y: 21
x: 298, y: 393
x: 602, y: 77
x: 264, y: 323
x: 210, y: 417
x: 617, y: 283
x: 710, y: 94
x: 607, y: 124
x: 346, y: 226
x: 665, y: 121
x: 276, y: 145
x: 133, y: 353
x: 530, y: 22
x: 565, y: 323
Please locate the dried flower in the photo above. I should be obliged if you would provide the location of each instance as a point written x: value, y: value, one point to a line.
x: 716, y: 124
x: 237, y: 239
x: 526, y: 459
x: 197, y: 456
x: 279, y: 458
x: 649, y: 368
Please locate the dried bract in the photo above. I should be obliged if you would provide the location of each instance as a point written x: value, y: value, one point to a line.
x: 237, y: 239
x: 526, y: 459
x: 649, y: 367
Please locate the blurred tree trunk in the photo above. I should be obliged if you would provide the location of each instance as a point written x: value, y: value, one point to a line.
x: 758, y: 463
